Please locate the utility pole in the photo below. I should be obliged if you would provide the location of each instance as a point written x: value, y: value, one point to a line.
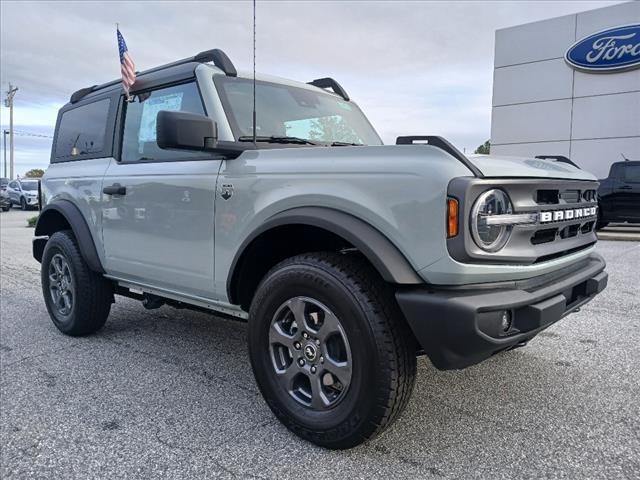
x: 4, y: 143
x: 9, y: 103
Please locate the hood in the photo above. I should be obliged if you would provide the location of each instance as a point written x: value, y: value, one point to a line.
x: 504, y: 166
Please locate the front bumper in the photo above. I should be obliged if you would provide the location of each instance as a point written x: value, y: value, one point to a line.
x: 461, y: 326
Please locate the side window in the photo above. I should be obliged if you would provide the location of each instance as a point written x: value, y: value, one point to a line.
x: 632, y: 173
x: 82, y: 131
x: 13, y: 185
x: 139, y: 136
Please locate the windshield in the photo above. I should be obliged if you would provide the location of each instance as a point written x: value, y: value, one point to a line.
x: 29, y: 185
x: 285, y: 111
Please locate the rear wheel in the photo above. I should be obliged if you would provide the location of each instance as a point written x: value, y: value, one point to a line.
x: 330, y: 350
x: 78, y: 300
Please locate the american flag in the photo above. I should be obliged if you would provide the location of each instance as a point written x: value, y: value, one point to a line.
x: 127, y: 67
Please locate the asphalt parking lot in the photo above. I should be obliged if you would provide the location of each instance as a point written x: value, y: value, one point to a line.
x: 170, y: 394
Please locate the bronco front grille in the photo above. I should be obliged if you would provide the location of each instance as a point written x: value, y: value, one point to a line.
x: 578, y: 219
x: 556, y: 196
x: 566, y: 212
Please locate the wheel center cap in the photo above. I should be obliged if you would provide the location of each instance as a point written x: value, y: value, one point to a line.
x: 310, y: 352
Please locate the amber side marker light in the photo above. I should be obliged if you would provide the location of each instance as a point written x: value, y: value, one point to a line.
x: 452, y: 217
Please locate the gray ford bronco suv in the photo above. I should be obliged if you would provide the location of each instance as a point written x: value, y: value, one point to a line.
x: 348, y: 258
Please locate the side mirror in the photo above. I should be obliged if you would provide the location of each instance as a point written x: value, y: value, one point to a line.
x: 185, y: 131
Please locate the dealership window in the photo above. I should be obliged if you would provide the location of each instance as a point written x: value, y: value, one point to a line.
x: 139, y: 137
x: 82, y: 131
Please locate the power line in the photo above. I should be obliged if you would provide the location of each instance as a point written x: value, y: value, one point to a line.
x: 31, y: 134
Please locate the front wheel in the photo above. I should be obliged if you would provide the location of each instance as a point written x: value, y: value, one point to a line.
x: 330, y: 350
x: 23, y: 203
x: 78, y: 299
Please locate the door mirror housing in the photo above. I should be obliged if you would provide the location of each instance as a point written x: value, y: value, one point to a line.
x: 186, y: 131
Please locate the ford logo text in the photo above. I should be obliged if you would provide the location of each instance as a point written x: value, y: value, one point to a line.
x: 607, y: 51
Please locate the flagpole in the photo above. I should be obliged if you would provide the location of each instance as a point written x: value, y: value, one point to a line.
x: 254, y: 74
x: 128, y: 98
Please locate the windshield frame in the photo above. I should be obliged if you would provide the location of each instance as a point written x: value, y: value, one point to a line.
x: 237, y: 133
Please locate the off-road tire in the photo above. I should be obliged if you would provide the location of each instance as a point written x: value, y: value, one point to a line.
x: 93, y: 295
x: 382, y: 345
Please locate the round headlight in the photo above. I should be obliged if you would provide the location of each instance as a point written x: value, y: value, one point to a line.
x: 487, y: 236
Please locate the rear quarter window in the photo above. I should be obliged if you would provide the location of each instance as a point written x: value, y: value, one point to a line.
x: 632, y: 173
x: 82, y: 132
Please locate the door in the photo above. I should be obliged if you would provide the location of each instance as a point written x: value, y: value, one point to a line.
x: 158, y: 212
x: 628, y: 193
x: 13, y: 191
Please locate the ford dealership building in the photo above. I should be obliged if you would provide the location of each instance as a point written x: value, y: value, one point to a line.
x: 570, y: 86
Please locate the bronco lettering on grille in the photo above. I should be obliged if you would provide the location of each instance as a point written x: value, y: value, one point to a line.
x: 570, y: 214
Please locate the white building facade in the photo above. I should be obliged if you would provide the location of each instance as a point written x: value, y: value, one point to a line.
x: 544, y: 105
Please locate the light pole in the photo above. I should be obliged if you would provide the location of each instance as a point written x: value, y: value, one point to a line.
x: 4, y: 144
x: 9, y: 103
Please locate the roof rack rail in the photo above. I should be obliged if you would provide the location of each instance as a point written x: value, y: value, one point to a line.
x: 217, y: 56
x: 76, y: 96
x: 557, y: 158
x: 332, y: 84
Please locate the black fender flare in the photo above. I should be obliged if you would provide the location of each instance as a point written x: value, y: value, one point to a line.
x: 48, y: 224
x: 375, y: 246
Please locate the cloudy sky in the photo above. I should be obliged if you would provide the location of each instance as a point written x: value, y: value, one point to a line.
x: 413, y: 67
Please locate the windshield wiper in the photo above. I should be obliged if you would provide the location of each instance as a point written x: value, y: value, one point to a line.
x: 346, y: 144
x: 276, y: 139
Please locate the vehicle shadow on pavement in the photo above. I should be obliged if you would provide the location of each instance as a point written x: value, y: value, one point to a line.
x: 506, y: 403
x: 174, y: 389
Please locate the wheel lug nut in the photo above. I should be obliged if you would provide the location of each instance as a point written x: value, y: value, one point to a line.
x: 301, y: 362
x: 296, y: 345
x: 317, y: 342
x: 313, y: 369
x: 321, y: 359
x: 305, y: 335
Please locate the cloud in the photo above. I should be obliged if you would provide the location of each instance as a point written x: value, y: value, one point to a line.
x: 413, y: 67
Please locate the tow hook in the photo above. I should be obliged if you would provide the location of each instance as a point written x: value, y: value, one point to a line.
x: 151, y: 302
x: 520, y: 345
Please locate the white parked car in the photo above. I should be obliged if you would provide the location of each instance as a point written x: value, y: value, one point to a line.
x: 23, y: 192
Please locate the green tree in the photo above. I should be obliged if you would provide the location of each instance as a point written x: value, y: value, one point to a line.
x: 484, y: 148
x: 34, y: 173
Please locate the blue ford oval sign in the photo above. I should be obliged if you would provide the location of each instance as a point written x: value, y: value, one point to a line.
x: 607, y: 51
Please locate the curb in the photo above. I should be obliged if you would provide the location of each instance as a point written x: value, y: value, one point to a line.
x: 623, y: 237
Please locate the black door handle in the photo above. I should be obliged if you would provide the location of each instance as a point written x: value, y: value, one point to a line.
x: 115, y: 189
